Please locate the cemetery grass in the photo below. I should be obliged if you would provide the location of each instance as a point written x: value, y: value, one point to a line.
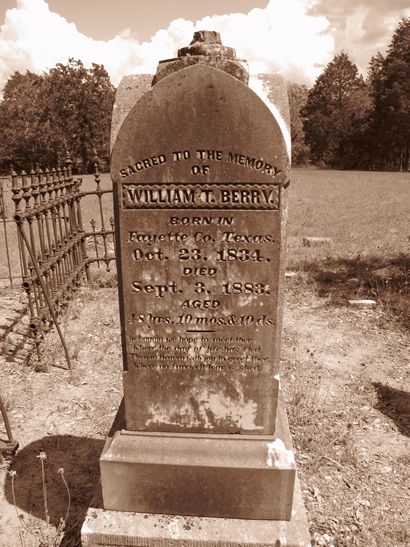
x: 344, y: 375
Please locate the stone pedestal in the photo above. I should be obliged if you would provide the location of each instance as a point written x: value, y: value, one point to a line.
x: 114, y: 528
x: 230, y: 476
x: 251, y: 486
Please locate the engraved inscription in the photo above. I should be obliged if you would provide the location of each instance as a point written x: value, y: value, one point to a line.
x: 200, y: 196
x: 213, y: 354
x: 145, y: 163
x: 200, y: 285
x: 203, y: 155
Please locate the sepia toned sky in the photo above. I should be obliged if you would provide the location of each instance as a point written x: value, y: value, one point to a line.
x: 296, y: 38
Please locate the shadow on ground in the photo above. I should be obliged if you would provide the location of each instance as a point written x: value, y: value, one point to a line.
x: 395, y: 404
x: 384, y: 280
x: 79, y: 457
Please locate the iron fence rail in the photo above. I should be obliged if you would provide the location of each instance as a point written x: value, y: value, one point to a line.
x: 53, y: 246
x: 5, y: 222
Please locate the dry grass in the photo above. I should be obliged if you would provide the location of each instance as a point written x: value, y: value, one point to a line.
x: 347, y: 425
x: 350, y: 431
x: 66, y: 414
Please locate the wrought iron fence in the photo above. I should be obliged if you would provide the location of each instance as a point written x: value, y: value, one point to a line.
x: 53, y: 244
x: 9, y: 264
x: 100, y: 239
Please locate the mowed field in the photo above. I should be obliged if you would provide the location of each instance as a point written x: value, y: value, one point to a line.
x: 365, y: 214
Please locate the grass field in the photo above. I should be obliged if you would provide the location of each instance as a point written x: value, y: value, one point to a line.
x: 366, y: 216
x: 364, y: 213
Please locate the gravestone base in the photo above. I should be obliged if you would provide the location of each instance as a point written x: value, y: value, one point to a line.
x: 116, y: 528
x: 229, y: 476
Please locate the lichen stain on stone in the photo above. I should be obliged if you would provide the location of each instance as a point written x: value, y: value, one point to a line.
x: 244, y: 301
x: 174, y: 530
x: 279, y: 456
x: 208, y: 409
x: 243, y: 414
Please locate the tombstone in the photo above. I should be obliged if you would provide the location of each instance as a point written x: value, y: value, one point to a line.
x: 200, y: 168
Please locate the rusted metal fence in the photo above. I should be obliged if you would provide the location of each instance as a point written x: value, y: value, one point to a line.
x: 53, y: 244
x: 9, y: 269
x: 100, y: 240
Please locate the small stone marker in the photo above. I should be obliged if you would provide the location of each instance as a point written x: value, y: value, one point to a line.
x: 200, y: 169
x: 362, y: 303
x: 291, y: 275
x: 388, y: 273
x: 316, y: 241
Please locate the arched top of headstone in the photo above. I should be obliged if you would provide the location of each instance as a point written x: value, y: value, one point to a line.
x: 200, y: 108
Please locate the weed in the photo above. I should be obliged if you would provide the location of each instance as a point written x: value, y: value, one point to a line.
x: 46, y: 535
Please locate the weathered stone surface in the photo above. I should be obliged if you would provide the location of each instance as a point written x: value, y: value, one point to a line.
x: 231, y: 476
x: 271, y: 88
x: 206, y: 48
x: 200, y: 167
x: 236, y: 68
x: 389, y: 272
x: 207, y: 42
x: 131, y: 88
x: 200, y: 170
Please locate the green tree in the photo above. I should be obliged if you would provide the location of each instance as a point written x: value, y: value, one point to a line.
x: 391, y: 92
x: 374, y: 136
x: 44, y: 116
x: 336, y: 115
x: 23, y: 137
x: 298, y: 95
x: 375, y: 69
x: 80, y: 106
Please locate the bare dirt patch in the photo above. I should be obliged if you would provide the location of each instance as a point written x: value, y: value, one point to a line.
x: 345, y: 378
x: 346, y: 381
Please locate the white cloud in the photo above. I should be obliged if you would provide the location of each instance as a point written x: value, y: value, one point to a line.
x: 362, y: 27
x: 279, y: 38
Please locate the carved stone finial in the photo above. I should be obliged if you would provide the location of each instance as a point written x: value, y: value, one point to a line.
x: 207, y: 42
x: 205, y: 48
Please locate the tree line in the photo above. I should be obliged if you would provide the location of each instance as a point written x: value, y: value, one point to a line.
x: 344, y: 121
x: 68, y: 109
